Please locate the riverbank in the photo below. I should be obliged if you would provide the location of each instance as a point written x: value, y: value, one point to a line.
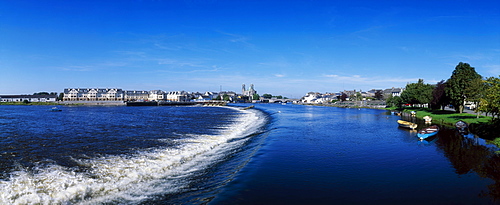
x: 86, y: 103
x: 29, y: 103
x: 482, y: 126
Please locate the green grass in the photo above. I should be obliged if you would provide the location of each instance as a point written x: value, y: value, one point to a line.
x: 448, y: 117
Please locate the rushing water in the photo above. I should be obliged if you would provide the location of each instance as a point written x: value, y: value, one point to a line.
x: 274, y: 154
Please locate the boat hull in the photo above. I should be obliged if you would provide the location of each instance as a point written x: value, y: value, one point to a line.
x: 407, y: 125
x: 428, y: 132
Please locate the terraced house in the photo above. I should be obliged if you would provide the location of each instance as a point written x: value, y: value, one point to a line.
x: 93, y: 94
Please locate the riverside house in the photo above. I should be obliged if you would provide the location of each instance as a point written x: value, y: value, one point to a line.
x: 28, y: 98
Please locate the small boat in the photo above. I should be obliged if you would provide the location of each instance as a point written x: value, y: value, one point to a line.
x: 427, y: 119
x: 428, y: 132
x: 461, y: 126
x: 55, y: 109
x: 406, y: 124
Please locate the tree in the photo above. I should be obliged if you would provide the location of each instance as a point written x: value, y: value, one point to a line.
x: 61, y: 97
x: 267, y: 96
x: 439, y: 98
x: 417, y: 93
x: 225, y: 97
x: 490, y: 103
x: 394, y: 101
x: 459, y: 87
x: 359, y: 97
x: 255, y: 96
x: 42, y: 93
x: 379, y: 95
x: 343, y: 97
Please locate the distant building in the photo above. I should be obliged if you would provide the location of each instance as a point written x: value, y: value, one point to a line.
x: 157, y: 95
x: 93, y: 94
x: 136, y: 95
x: 393, y: 92
x: 178, y: 96
x: 250, y: 92
x: 28, y: 98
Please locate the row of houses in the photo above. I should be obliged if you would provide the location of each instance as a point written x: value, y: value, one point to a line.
x: 28, y: 98
x: 116, y: 94
x: 321, y: 98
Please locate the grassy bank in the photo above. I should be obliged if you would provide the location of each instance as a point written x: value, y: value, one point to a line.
x: 448, y: 117
x: 483, y: 126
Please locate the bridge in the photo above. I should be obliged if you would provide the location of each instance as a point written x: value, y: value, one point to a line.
x: 280, y: 100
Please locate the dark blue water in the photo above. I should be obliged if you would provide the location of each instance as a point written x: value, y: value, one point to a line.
x: 274, y: 154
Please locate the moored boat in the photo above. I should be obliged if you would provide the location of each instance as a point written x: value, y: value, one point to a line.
x: 461, y: 126
x: 55, y: 109
x: 406, y: 124
x: 428, y: 132
x: 428, y: 119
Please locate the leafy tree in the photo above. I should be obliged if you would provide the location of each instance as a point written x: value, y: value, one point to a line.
x: 379, y: 95
x: 256, y: 96
x: 394, y: 101
x: 460, y: 85
x: 359, y: 96
x: 225, y: 97
x: 439, y: 98
x: 267, y: 96
x: 490, y: 103
x: 278, y: 97
x: 61, y: 96
x: 41, y: 93
x: 417, y: 93
x: 343, y: 97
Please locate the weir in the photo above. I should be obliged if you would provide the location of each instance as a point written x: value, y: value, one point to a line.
x: 164, y: 103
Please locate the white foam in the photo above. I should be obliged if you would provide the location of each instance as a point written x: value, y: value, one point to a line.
x: 126, y: 179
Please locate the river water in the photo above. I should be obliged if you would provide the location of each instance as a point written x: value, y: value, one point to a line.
x: 272, y: 154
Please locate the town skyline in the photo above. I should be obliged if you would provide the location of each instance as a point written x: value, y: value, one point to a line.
x: 285, y: 48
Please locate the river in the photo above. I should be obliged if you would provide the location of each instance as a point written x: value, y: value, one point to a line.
x: 272, y: 154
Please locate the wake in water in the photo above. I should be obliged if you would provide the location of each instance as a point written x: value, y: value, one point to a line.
x: 128, y: 178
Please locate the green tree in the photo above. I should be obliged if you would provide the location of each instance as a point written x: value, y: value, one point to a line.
x: 61, y: 97
x: 439, y: 98
x: 417, y: 93
x: 490, y: 103
x: 379, y: 95
x: 343, y: 97
x: 460, y: 87
x: 41, y: 93
x: 225, y: 97
x: 394, y: 101
x: 255, y: 96
x: 267, y: 96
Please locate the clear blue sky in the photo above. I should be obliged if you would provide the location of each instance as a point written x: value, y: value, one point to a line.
x: 283, y: 47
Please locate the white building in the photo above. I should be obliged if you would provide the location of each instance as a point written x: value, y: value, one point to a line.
x: 178, y: 96
x: 28, y: 98
x: 157, y: 95
x: 93, y: 94
x: 136, y: 95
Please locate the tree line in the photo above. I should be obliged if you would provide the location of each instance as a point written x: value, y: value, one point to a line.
x: 464, y: 86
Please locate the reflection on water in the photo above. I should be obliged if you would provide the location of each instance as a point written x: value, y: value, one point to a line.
x: 469, y: 153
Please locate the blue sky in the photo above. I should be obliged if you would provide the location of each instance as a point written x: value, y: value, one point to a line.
x: 282, y: 47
